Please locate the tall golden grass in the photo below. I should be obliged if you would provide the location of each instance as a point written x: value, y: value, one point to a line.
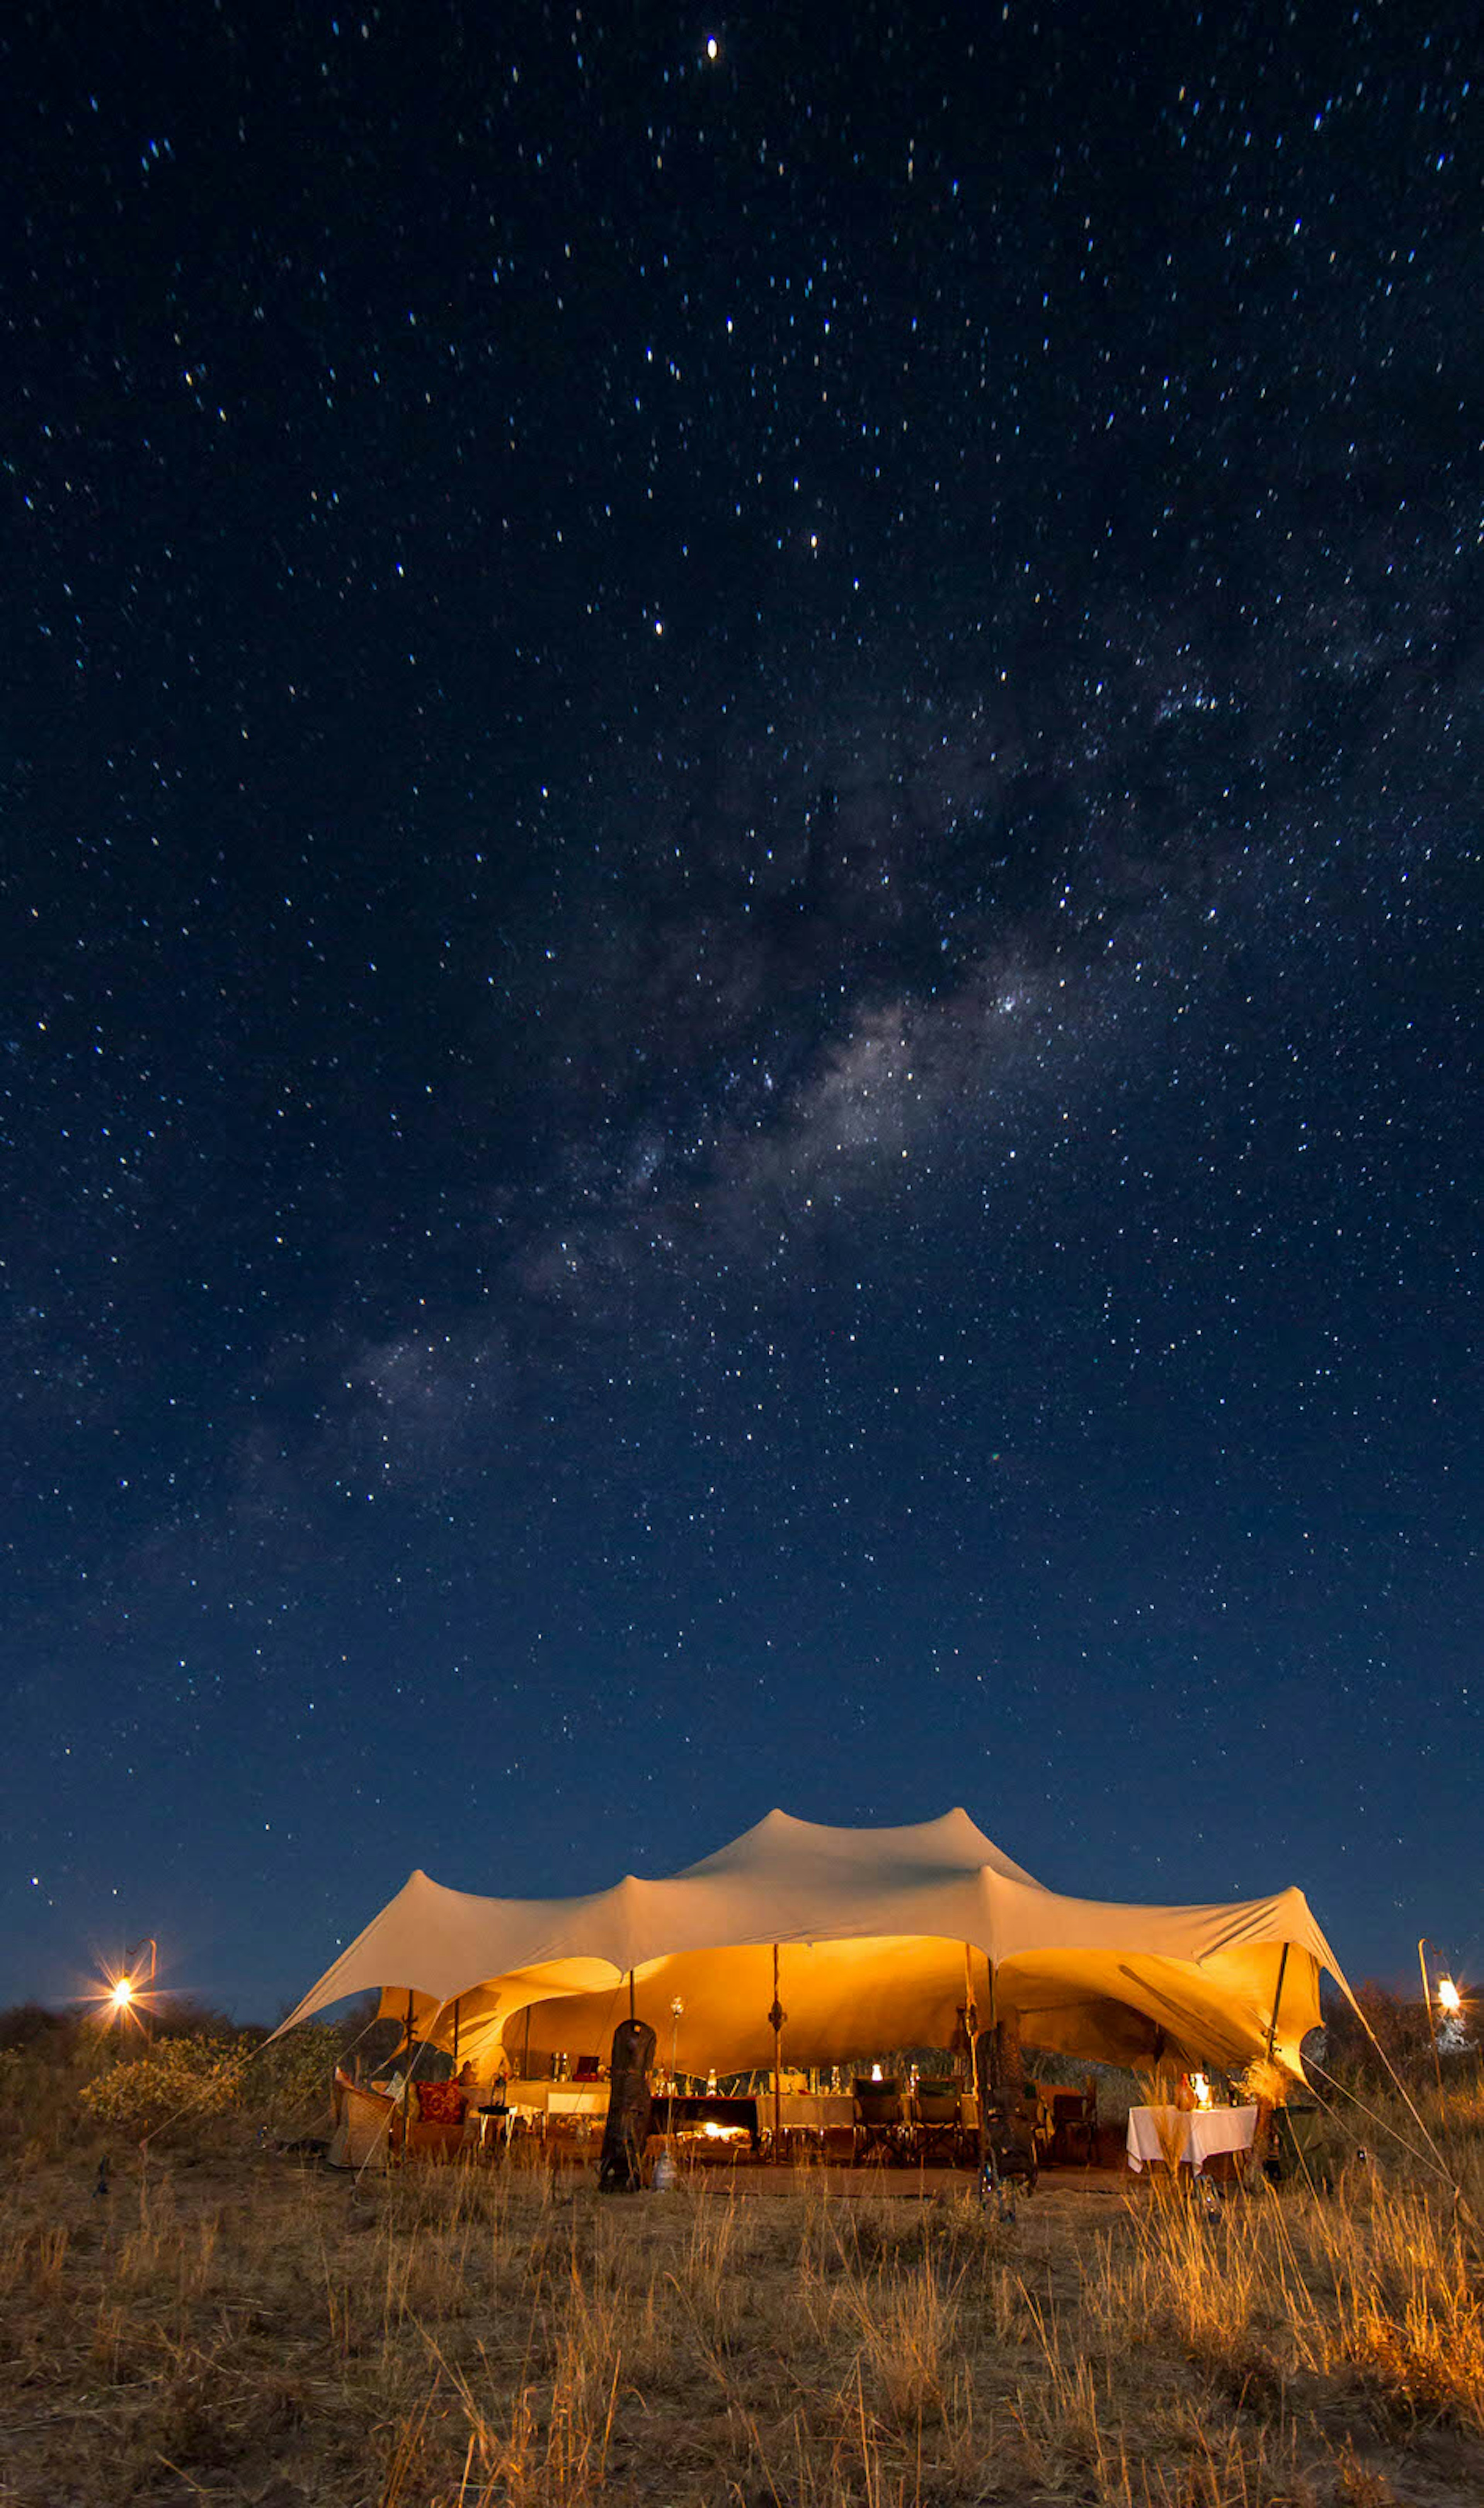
x: 244, y: 2327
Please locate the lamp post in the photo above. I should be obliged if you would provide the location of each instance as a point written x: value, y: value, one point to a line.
x: 676, y: 2015
x: 1448, y: 1999
x: 124, y: 1995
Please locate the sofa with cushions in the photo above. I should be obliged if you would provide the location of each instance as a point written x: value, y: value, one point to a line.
x: 435, y: 2128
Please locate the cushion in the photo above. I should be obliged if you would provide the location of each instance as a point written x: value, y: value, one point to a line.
x: 440, y: 2102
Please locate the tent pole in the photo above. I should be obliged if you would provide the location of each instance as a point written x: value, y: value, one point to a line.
x: 775, y: 2019
x: 1427, y: 2006
x: 990, y: 2074
x: 631, y: 1994
x: 971, y: 2033
x: 1276, y: 1999
x: 457, y: 2001
x: 407, y: 2078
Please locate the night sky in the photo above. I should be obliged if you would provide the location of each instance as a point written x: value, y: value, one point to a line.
x: 742, y: 961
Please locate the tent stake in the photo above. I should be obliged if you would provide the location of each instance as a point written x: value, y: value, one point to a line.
x: 1276, y: 1999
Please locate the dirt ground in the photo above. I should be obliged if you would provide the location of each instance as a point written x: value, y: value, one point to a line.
x: 261, y: 2331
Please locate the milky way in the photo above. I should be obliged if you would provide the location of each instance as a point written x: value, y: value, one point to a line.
x: 742, y: 974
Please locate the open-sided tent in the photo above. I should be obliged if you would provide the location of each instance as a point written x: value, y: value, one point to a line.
x: 881, y: 1936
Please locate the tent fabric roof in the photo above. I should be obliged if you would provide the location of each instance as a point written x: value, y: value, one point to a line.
x: 876, y: 1925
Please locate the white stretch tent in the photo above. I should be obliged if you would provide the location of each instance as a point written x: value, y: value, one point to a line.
x: 882, y: 1935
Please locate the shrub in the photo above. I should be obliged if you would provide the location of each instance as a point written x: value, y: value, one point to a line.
x: 1400, y: 2026
x: 27, y: 2025
x: 181, y: 2015
x: 289, y: 2084
x: 195, y: 2079
x: 66, y: 2073
x: 45, y: 2058
x: 199, y: 2076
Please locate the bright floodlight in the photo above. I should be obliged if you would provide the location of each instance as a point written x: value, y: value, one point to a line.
x: 1448, y: 1995
x: 123, y: 1994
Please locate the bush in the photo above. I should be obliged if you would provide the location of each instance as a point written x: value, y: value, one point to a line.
x: 199, y: 2076
x: 30, y: 2025
x: 66, y: 2076
x: 1400, y: 2026
x: 195, y: 2079
x: 289, y: 2083
x: 45, y: 2058
x: 181, y: 2015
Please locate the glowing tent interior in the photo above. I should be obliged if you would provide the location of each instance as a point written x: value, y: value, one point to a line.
x: 881, y: 1933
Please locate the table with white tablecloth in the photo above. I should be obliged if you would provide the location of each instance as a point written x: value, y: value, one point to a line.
x: 577, y: 2099
x: 534, y: 2100
x: 1188, y: 2137
x: 811, y: 2110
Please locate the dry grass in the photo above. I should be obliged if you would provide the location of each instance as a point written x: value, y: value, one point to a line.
x: 250, y: 2330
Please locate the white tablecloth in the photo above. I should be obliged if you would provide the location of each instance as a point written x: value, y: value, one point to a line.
x: 564, y: 2099
x: 557, y: 2098
x: 809, y: 2111
x: 1160, y: 2133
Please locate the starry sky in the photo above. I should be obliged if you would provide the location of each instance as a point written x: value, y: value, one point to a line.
x: 741, y: 923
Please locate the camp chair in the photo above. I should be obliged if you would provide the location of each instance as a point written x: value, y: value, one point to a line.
x: 1041, y: 2093
x: 1074, y: 2124
x: 881, y: 2121
x: 367, y: 2126
x: 939, y: 2129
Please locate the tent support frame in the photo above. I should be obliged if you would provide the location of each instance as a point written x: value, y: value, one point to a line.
x: 775, y: 2019
x: 407, y: 2078
x: 1283, y: 1970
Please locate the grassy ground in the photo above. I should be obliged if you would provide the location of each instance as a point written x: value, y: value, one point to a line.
x: 234, y: 2328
